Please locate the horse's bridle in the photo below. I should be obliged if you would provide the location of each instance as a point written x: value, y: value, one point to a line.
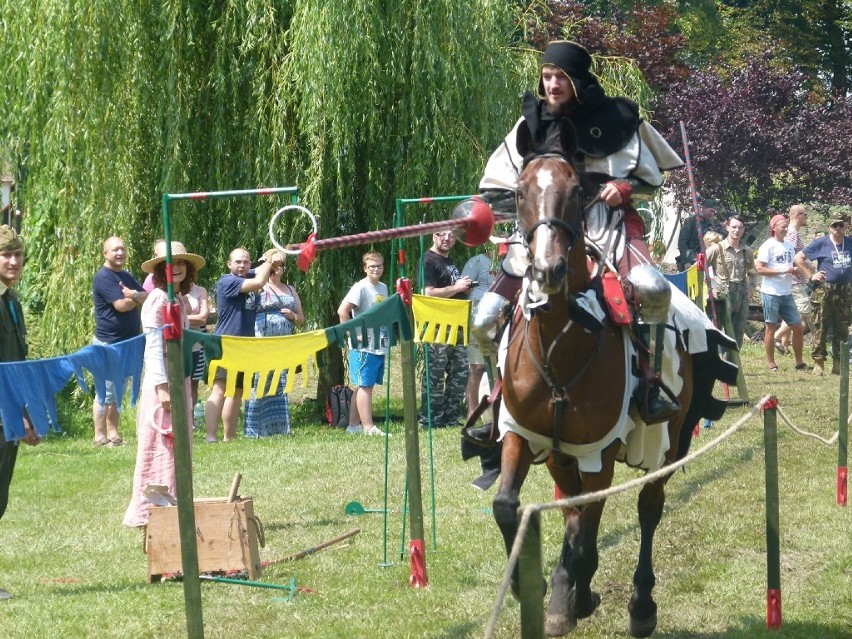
x: 571, y: 231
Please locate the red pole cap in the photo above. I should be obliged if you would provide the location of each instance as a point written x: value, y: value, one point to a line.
x: 418, y: 577
x: 308, y: 254
x: 479, y: 218
x: 403, y: 287
x: 172, y: 321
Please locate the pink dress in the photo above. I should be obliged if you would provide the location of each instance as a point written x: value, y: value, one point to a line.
x: 155, y: 458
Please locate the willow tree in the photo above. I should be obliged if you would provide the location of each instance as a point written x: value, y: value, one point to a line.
x: 110, y: 103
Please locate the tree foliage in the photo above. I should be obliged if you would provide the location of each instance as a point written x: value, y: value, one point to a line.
x: 111, y: 103
x: 767, y: 115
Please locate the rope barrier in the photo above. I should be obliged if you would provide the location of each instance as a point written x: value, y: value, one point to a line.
x: 828, y: 442
x: 528, y: 510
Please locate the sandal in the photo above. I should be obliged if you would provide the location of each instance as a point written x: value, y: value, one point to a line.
x: 773, y: 369
x: 101, y: 442
x: 780, y: 347
x: 802, y: 367
x: 116, y: 441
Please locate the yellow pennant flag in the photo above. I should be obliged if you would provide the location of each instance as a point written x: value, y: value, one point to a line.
x: 440, y: 321
x: 266, y: 356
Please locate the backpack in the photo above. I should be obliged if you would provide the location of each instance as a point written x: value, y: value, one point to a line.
x: 337, y: 404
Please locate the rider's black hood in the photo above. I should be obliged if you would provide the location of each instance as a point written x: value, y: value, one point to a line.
x: 604, y: 125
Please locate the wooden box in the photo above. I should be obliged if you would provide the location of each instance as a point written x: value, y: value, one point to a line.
x: 226, y: 534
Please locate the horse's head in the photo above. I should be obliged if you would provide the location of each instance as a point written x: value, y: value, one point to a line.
x: 550, y: 207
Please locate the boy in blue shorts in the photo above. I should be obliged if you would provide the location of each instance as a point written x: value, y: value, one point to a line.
x: 366, y: 365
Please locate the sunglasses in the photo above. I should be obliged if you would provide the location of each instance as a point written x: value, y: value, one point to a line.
x: 838, y: 225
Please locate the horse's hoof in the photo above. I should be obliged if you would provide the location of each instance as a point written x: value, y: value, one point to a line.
x: 642, y: 627
x: 581, y: 612
x: 558, y: 625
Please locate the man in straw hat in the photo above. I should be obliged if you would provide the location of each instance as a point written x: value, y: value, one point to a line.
x: 775, y: 263
x: 832, y: 296
x: 13, y: 348
x: 620, y: 153
x: 236, y: 307
x: 117, y: 298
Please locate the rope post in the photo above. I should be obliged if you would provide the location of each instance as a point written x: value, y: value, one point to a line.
x: 418, y: 578
x: 531, y: 579
x: 773, y: 543
x: 843, y: 427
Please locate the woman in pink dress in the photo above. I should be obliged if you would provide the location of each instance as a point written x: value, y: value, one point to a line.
x: 155, y: 459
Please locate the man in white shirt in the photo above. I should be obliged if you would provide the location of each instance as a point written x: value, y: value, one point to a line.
x: 775, y: 263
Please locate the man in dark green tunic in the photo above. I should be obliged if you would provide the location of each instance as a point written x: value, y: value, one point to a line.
x: 13, y: 348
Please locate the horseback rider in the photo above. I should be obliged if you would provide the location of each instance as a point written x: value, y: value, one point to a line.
x: 623, y: 157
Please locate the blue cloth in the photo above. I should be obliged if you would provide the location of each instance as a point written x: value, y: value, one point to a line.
x: 32, y: 385
x: 678, y: 280
x: 236, y: 310
x: 113, y: 362
x: 111, y: 325
x: 834, y: 260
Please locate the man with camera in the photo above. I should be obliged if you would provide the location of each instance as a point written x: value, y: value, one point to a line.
x: 445, y: 379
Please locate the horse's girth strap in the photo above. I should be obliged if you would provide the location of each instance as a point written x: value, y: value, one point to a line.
x: 560, y: 409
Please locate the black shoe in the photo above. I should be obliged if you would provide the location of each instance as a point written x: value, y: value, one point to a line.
x: 479, y: 435
x: 653, y: 408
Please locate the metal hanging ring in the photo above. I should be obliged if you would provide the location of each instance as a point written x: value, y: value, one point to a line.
x: 275, y: 219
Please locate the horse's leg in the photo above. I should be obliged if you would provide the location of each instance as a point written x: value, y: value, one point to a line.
x: 558, y: 620
x: 584, y: 557
x: 514, y: 465
x: 642, y: 608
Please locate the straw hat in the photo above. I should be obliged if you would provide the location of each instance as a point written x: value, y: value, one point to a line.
x: 179, y: 252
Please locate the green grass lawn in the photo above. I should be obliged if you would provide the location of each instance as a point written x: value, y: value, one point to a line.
x: 75, y: 571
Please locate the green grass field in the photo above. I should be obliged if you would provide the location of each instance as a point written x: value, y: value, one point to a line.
x: 75, y: 571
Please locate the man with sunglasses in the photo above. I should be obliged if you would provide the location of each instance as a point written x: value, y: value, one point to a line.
x: 832, y: 296
x: 445, y: 381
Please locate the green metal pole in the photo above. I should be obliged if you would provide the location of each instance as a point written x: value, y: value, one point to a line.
x: 180, y: 425
x: 256, y: 584
x: 417, y: 548
x: 531, y: 580
x: 843, y: 427
x: 773, y: 541
x: 183, y: 461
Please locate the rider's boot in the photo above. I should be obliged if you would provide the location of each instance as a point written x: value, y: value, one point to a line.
x: 653, y: 399
x: 651, y: 296
x: 485, y: 435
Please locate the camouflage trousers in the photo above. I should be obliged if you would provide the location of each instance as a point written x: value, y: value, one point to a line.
x: 444, y: 382
x: 832, y: 316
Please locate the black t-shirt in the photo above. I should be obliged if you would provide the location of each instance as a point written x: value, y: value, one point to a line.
x: 441, y: 272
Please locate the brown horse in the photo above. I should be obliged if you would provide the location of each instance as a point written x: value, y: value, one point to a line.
x: 567, y: 383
